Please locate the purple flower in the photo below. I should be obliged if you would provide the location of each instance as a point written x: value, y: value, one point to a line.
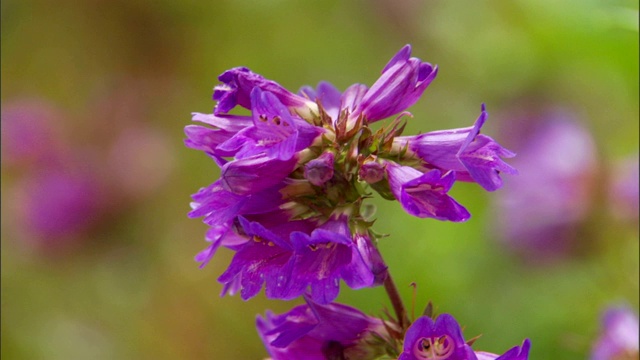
x: 251, y: 175
x: 327, y: 95
x: 208, y: 139
x: 403, y: 81
x: 371, y: 256
x: 54, y: 205
x: 619, y: 336
x: 29, y: 131
x: 473, y: 156
x: 220, y: 207
x: 324, y: 257
x: 425, y: 194
x: 274, y: 131
x: 266, y: 258
x: 515, y: 353
x: 238, y: 84
x: 442, y: 339
x: 313, y: 331
x: 291, y: 258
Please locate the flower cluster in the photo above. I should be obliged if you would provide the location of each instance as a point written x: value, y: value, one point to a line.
x: 295, y: 173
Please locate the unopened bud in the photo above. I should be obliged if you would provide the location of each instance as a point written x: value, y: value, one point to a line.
x: 319, y: 171
x: 371, y: 172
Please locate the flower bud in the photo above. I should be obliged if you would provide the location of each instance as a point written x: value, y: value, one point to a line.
x: 371, y: 172
x: 319, y: 171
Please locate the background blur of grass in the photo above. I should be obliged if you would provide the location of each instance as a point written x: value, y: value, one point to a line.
x: 130, y: 289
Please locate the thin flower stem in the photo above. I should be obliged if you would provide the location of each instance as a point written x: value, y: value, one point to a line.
x: 396, y: 301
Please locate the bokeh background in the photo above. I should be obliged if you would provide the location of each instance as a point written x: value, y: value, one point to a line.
x: 97, y: 250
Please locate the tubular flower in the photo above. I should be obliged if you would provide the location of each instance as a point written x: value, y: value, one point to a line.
x: 236, y: 87
x: 473, y: 156
x: 544, y: 225
x: 313, y: 331
x: 442, y: 340
x: 296, y: 172
x: 403, y: 81
x: 425, y: 194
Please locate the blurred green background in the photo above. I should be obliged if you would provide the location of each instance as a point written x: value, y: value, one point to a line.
x: 128, y: 287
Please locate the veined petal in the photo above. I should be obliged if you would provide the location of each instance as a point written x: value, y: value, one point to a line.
x: 481, y: 156
x: 327, y: 95
x: 251, y: 175
x: 425, y: 195
x: 473, y: 156
x: 403, y: 81
x: 220, y: 235
x: 318, y: 262
x: 209, y: 139
x: 236, y: 87
x: 352, y: 97
x: 264, y: 259
x: 274, y: 132
x: 307, y: 331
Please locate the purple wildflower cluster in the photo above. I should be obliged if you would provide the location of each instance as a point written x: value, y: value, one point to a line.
x: 58, y: 196
x: 289, y: 203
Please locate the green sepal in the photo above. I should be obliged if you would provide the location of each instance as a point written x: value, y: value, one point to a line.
x: 382, y: 188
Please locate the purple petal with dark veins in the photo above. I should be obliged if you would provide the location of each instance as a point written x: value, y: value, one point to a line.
x: 425, y: 195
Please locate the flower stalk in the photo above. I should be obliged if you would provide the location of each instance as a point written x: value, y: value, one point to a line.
x: 396, y: 301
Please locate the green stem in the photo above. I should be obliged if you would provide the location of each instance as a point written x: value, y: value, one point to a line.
x: 396, y: 301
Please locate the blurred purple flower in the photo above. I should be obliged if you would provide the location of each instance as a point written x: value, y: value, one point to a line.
x: 619, y: 336
x: 624, y: 194
x: 55, y: 204
x: 540, y: 210
x: 313, y: 331
x: 30, y: 131
x: 442, y: 339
